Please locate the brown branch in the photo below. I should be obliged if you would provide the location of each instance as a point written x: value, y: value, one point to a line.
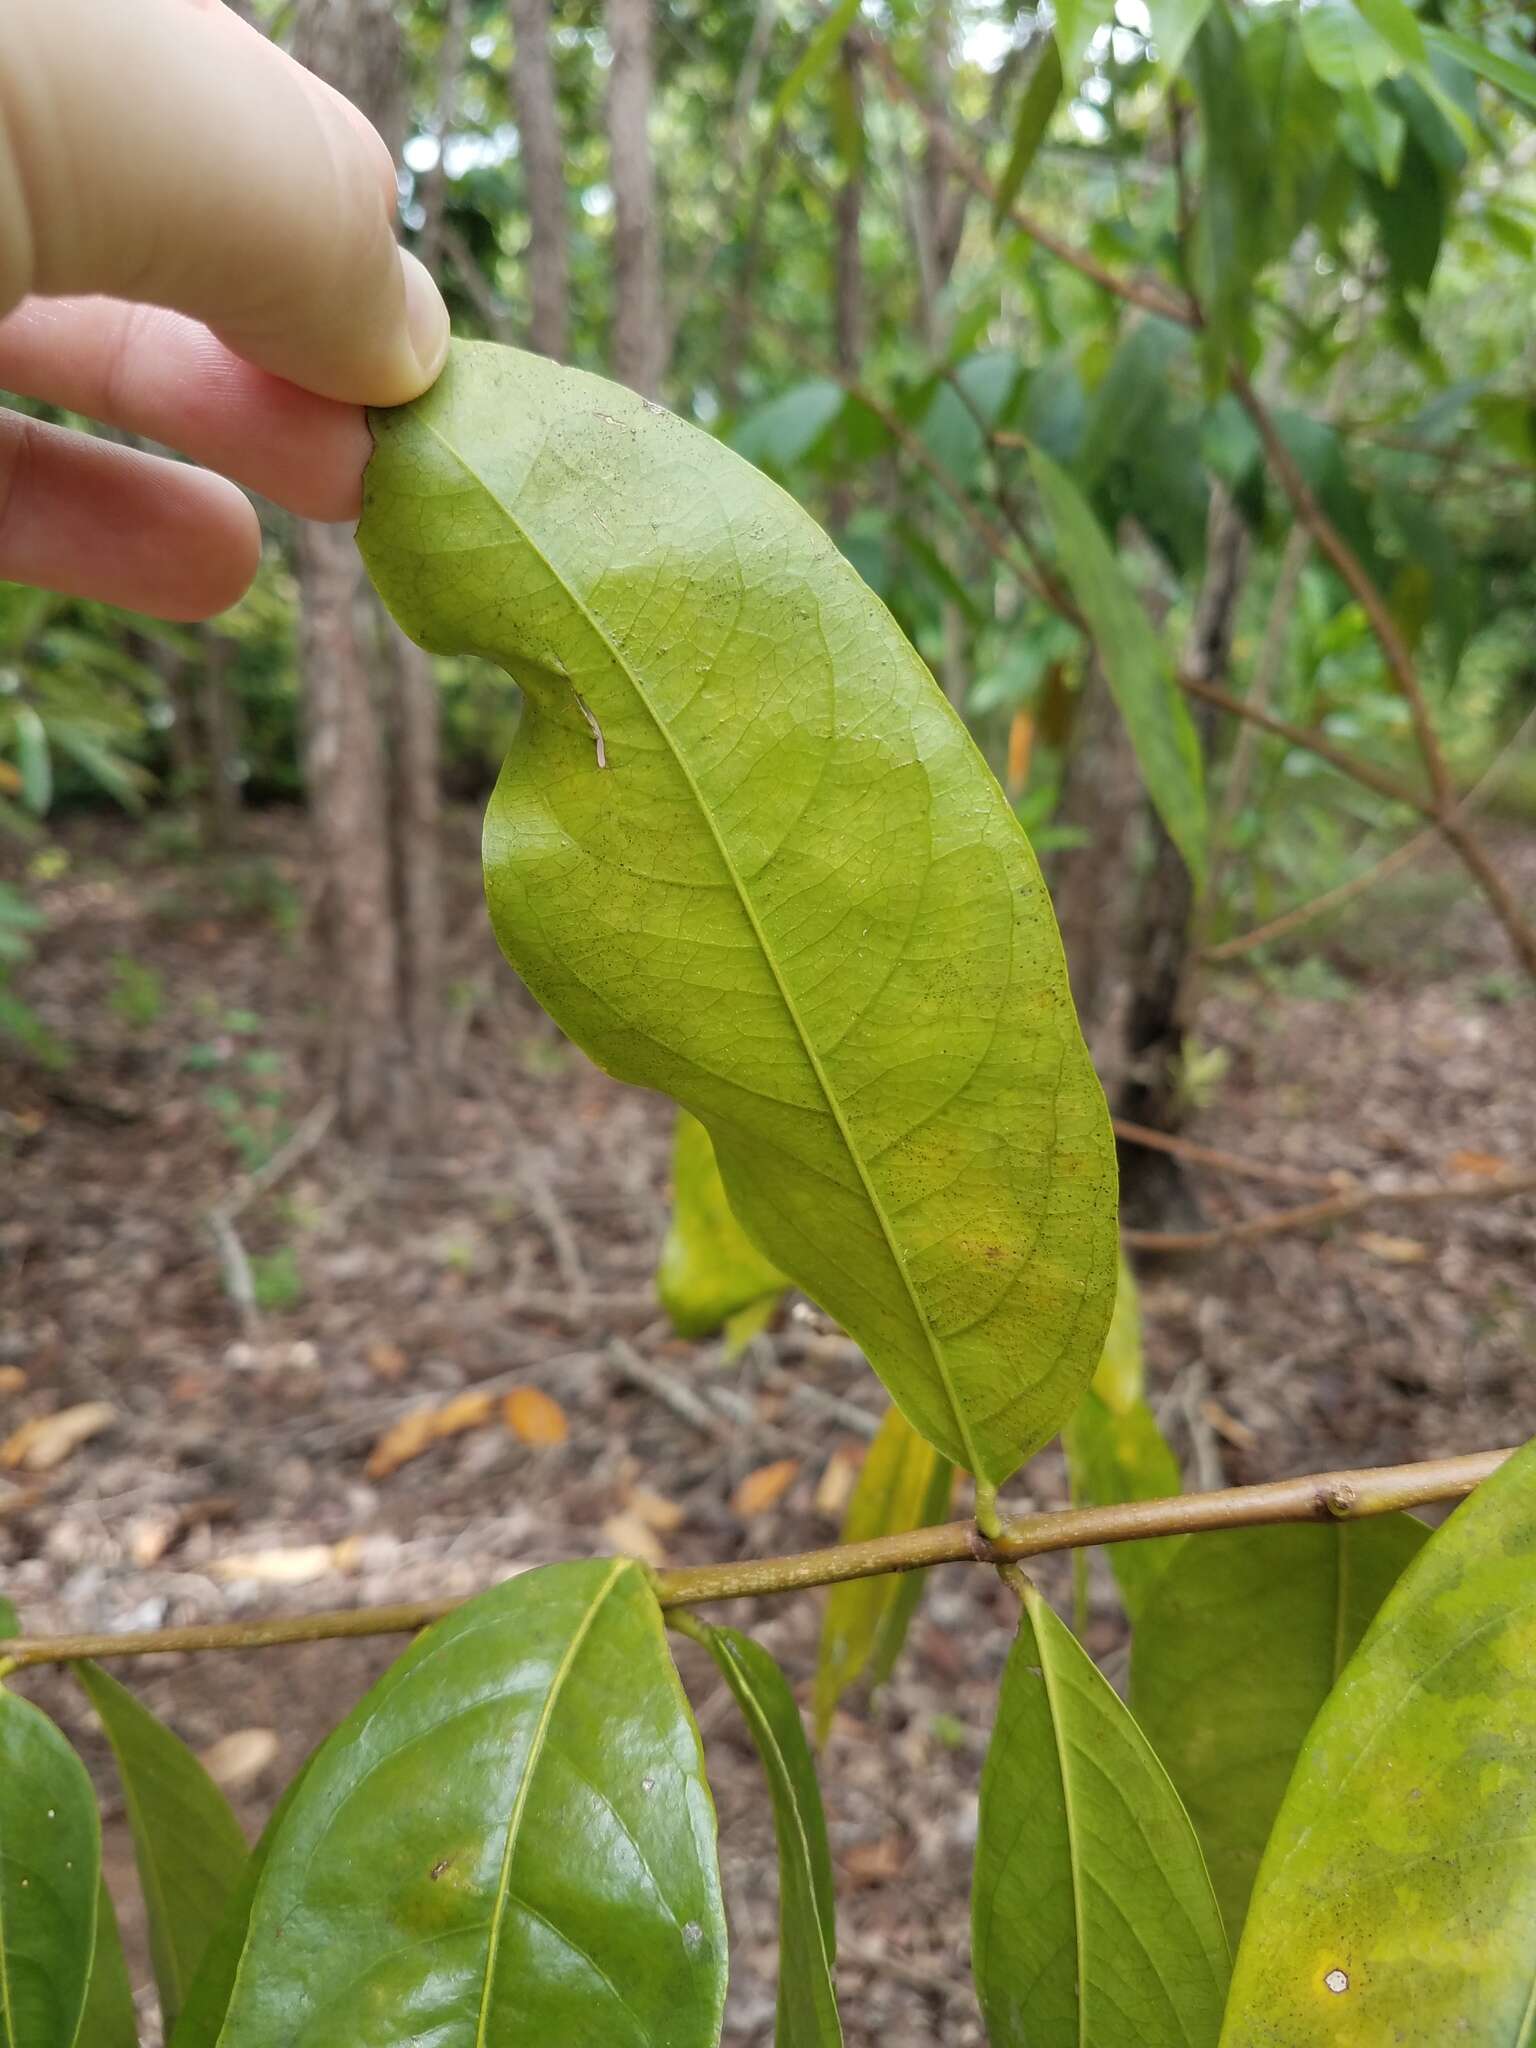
x: 1223, y: 1162
x: 1151, y: 298
x: 1321, y: 1497
x: 1347, y: 1203
x: 1363, y: 772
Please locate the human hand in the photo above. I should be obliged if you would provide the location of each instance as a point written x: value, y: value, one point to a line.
x: 239, y: 213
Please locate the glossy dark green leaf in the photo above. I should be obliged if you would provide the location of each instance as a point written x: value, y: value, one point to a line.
x: 807, y: 2003
x: 1410, y: 216
x: 1137, y: 666
x: 1038, y: 102
x: 1238, y: 1641
x: 109, y: 2020
x: 510, y: 1839
x: 744, y: 852
x: 1093, y: 1923
x: 1397, y: 1897
x: 187, y: 1844
x: 210, y: 1991
x: 902, y: 1484
x: 1511, y: 74
x: 710, y: 1269
x: 50, y: 1873
x: 1115, y: 1450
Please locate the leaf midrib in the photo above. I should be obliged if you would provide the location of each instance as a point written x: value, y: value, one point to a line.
x: 1035, y: 1608
x: 520, y: 1804
x: 834, y: 1107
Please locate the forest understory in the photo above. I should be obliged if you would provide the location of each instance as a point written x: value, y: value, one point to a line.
x: 227, y: 1470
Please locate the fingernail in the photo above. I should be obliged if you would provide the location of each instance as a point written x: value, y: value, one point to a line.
x: 426, y: 317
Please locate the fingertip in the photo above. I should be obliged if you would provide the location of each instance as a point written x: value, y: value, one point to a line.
x: 426, y: 319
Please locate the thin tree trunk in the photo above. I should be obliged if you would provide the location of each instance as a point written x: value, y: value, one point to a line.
x: 434, y: 187
x: 1164, y: 987
x: 543, y: 160
x: 639, y: 321
x: 417, y: 781
x: 848, y: 255
x: 1090, y: 882
x: 221, y: 736
x: 375, y: 855
x: 344, y: 775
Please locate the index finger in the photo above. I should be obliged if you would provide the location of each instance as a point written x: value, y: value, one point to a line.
x: 166, y: 152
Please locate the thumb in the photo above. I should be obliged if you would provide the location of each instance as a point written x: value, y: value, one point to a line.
x: 164, y: 151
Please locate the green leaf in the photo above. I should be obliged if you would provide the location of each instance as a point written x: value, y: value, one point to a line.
x: 208, y: 1995
x: 807, y: 2006
x: 50, y: 1870
x: 1344, y: 49
x: 109, y: 2020
x: 1175, y: 24
x: 33, y: 760
x: 1139, y: 673
x: 187, y: 1844
x: 510, y: 1839
x: 1230, y: 241
x: 1397, y: 1894
x: 1115, y: 1450
x: 9, y: 1623
x: 784, y: 888
x: 1238, y: 1642
x: 1093, y: 1923
x: 903, y: 1484
x: 1037, y: 103
x: 1410, y: 214
x: 1077, y: 23
x: 1514, y: 75
x: 785, y: 430
x: 710, y: 1269
x: 1398, y: 27
x: 820, y: 53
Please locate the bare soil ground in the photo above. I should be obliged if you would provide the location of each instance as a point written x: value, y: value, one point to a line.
x: 231, y: 1478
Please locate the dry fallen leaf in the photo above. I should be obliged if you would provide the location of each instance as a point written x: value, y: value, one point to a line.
x: 151, y: 1535
x: 1397, y: 1251
x: 765, y: 1487
x: 47, y: 1440
x: 1485, y: 1165
x: 423, y: 1427
x: 12, y: 1380
x: 870, y: 1863
x: 655, y: 1510
x: 535, y: 1418
x: 237, y: 1758
x: 387, y: 1362
x: 631, y: 1537
x: 836, y: 1482
x: 293, y: 1567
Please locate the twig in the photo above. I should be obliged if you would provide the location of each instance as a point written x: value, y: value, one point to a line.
x: 1401, y: 857
x: 235, y: 1265
x: 1363, y: 772
x: 1347, y: 1203
x: 669, y: 1390
x: 1320, y: 1497
x: 1223, y: 1162
x: 804, y: 1395
x: 299, y: 1143
x: 545, y: 1205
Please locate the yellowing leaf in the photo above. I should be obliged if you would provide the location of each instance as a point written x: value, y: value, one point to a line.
x: 423, y: 1427
x: 534, y: 1417
x: 745, y: 852
x: 1393, y: 1251
x: 764, y: 1488
x: 710, y: 1270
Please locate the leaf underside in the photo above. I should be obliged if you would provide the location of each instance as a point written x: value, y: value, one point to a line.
x: 710, y: 1269
x: 510, y: 1840
x: 744, y: 852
